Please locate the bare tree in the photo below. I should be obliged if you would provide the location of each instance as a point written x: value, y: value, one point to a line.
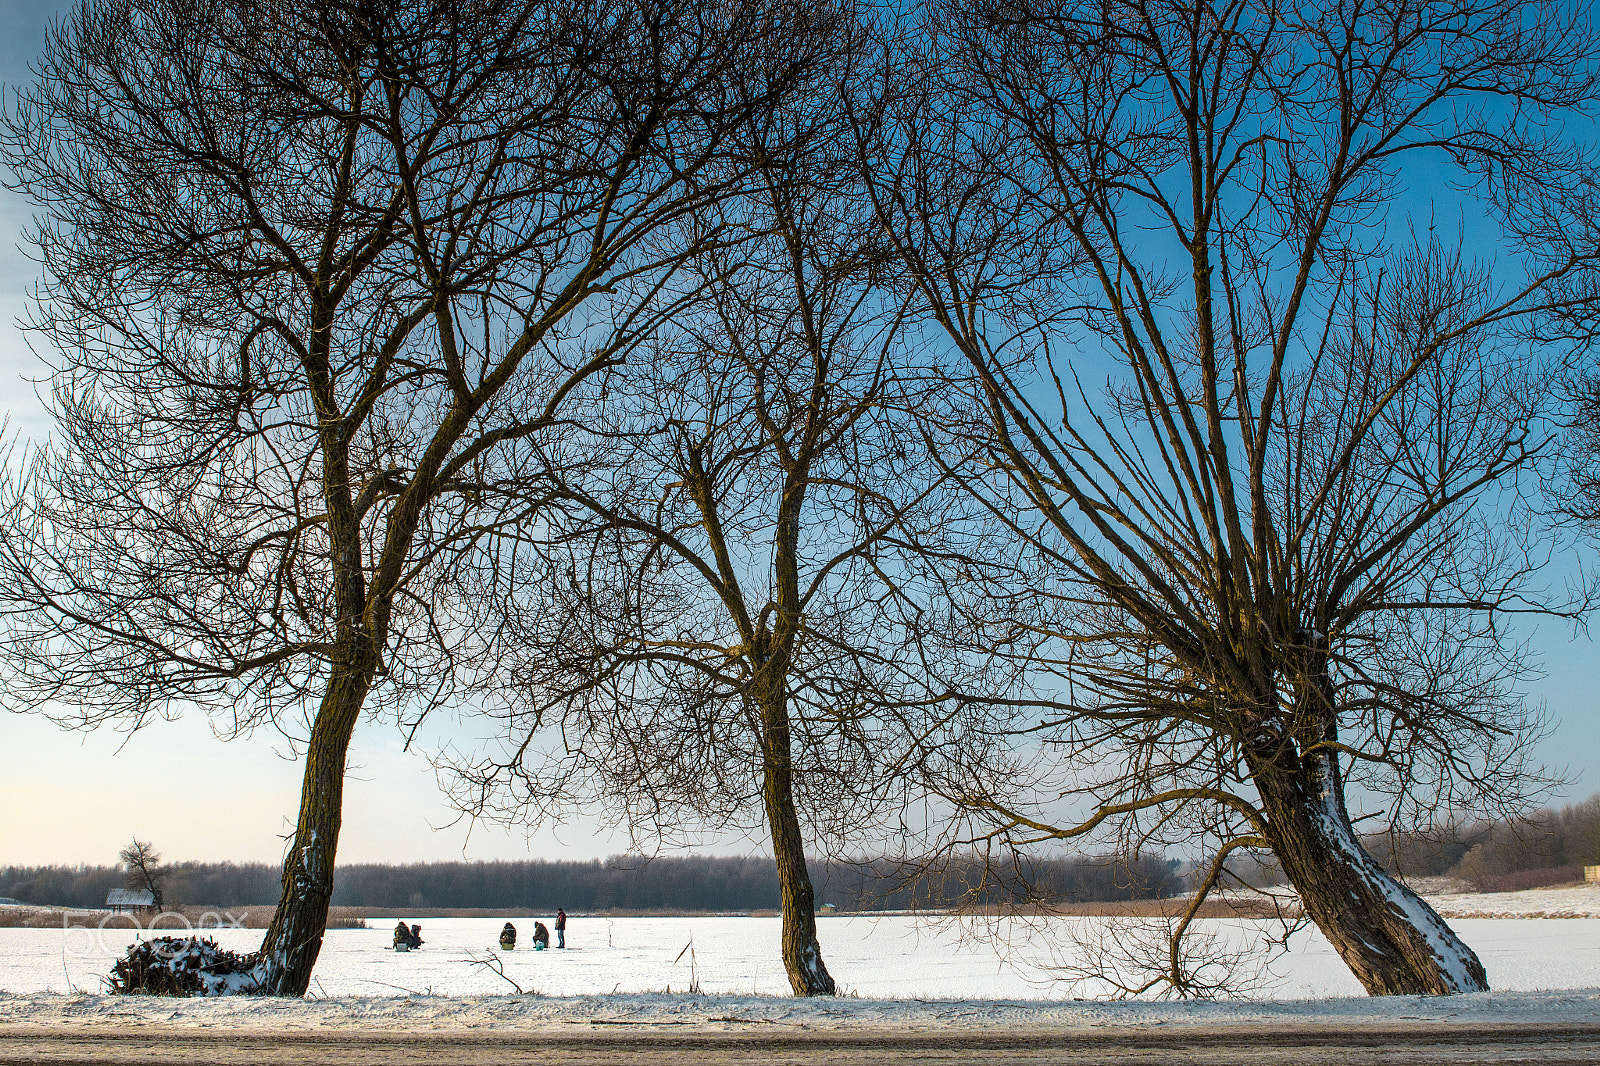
x: 731, y: 632
x: 317, y: 276
x: 1577, y: 488
x: 1278, y: 545
x: 144, y: 869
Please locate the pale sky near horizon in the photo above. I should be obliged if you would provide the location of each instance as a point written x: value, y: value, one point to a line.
x: 77, y: 798
x: 70, y: 797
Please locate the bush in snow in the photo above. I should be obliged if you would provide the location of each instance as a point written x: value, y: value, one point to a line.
x: 184, y: 966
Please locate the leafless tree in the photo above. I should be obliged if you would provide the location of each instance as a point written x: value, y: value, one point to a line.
x: 144, y: 869
x: 1279, y: 543
x: 319, y: 276
x: 1576, y: 489
x: 1128, y: 956
x: 733, y: 630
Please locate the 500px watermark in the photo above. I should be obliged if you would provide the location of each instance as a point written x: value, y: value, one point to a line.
x: 108, y: 937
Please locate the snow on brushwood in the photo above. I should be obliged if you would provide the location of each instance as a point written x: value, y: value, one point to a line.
x: 185, y: 966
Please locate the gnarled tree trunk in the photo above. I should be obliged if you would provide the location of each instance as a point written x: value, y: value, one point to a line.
x: 1390, y: 938
x: 294, y: 939
x: 802, y: 953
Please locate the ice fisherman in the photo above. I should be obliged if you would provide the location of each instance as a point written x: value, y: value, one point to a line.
x: 402, y: 935
x: 508, y: 937
x: 561, y: 928
x: 541, y: 936
x: 416, y: 936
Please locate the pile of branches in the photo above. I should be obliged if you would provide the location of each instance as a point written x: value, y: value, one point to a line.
x: 184, y: 966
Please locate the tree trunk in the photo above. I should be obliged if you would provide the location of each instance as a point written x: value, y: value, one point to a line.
x: 294, y: 939
x: 1393, y: 942
x: 802, y: 954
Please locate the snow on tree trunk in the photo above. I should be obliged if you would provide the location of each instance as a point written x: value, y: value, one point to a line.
x: 1393, y: 942
x: 294, y: 939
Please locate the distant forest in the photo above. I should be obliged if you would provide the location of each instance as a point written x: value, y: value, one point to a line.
x: 627, y: 883
x: 1550, y: 847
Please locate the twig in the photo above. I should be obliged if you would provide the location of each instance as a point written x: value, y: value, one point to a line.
x: 400, y: 988
x: 623, y: 1021
x: 755, y: 1021
x: 492, y: 962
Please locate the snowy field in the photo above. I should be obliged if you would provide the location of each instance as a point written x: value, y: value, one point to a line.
x: 1582, y: 901
x: 877, y: 958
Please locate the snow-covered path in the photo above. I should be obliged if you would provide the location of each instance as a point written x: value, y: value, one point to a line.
x: 415, y: 1014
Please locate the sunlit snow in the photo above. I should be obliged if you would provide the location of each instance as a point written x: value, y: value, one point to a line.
x: 885, y: 957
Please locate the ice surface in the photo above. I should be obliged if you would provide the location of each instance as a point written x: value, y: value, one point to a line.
x: 880, y: 958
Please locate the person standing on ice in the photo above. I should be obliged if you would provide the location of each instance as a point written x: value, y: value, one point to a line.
x: 561, y: 928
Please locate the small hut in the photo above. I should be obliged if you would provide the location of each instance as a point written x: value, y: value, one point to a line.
x: 130, y: 899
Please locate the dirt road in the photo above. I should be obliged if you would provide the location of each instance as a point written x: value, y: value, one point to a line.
x: 1500, y: 1044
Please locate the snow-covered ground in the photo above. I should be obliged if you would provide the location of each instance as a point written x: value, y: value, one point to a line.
x: 1579, y: 901
x: 687, y: 1014
x: 891, y: 957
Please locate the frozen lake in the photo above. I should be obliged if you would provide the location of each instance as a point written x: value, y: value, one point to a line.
x: 883, y: 957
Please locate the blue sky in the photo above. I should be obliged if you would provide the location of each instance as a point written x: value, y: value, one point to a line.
x: 72, y: 797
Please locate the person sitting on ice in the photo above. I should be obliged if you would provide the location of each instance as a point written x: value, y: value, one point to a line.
x: 416, y: 936
x: 402, y: 935
x: 508, y: 937
x: 541, y: 936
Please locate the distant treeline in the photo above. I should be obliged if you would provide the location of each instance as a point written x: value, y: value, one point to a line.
x: 223, y: 884
x: 691, y: 883
x: 1550, y: 847
x: 1547, y: 848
